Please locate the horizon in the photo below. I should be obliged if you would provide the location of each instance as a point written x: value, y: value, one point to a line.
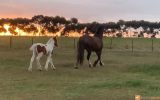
x: 82, y: 22
x: 85, y: 11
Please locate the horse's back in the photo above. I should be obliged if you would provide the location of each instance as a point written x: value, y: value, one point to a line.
x: 35, y: 45
x: 89, y: 42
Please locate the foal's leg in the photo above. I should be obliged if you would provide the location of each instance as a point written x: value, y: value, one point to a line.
x: 99, y: 57
x: 52, y: 65
x: 31, y: 62
x: 47, y: 62
x: 88, y: 57
x: 38, y: 60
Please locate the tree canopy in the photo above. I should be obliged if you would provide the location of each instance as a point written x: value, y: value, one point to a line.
x: 51, y: 24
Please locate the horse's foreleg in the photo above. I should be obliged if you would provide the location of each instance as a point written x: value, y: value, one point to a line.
x: 88, y: 58
x: 31, y: 62
x: 95, y: 63
x: 52, y: 65
x: 38, y: 61
x: 101, y: 63
x: 47, y: 62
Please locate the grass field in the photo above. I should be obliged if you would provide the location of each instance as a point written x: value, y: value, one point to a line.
x: 124, y: 75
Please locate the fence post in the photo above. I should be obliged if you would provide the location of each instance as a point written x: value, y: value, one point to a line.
x: 132, y: 45
x: 74, y: 43
x: 10, y: 42
x: 111, y: 43
x: 152, y: 45
x: 32, y: 40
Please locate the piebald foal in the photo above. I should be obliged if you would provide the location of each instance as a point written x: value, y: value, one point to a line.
x: 39, y: 50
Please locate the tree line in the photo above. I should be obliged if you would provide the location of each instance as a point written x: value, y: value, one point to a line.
x: 51, y: 24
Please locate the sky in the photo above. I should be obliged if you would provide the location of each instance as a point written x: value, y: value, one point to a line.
x: 84, y: 10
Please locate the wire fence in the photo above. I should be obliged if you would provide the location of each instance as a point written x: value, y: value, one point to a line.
x: 133, y: 44
x: 114, y: 44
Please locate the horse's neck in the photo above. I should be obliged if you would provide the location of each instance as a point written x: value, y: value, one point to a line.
x: 49, y: 41
x: 99, y: 32
x: 50, y: 45
x: 100, y: 36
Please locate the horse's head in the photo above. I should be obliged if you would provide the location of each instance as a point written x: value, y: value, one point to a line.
x: 55, y: 41
x: 99, y: 32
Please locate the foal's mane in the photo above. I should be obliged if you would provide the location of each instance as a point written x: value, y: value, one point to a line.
x: 50, y: 40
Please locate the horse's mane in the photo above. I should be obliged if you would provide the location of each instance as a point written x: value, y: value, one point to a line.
x: 49, y: 40
x: 99, y: 32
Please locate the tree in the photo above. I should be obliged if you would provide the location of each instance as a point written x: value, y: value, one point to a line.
x: 37, y: 19
x: 74, y: 20
x: 2, y: 29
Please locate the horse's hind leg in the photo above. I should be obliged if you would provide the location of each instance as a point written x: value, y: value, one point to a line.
x: 101, y: 63
x: 99, y: 57
x: 38, y: 60
x: 88, y: 57
x: 31, y: 62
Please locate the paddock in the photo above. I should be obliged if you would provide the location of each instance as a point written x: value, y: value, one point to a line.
x: 124, y: 75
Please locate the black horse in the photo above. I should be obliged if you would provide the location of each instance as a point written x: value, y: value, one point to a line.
x: 90, y: 44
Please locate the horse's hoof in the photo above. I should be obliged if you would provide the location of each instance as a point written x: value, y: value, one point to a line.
x: 76, y: 67
x: 40, y: 69
x: 94, y: 65
x: 101, y: 64
x: 46, y: 69
x: 90, y: 66
x: 54, y: 68
x: 30, y: 70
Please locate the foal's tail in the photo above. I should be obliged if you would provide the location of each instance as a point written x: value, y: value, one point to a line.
x: 32, y: 47
x: 80, y: 53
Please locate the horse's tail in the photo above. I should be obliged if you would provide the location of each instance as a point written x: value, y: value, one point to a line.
x: 80, y: 53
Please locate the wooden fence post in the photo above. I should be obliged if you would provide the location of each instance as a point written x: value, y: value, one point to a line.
x: 32, y: 40
x: 111, y: 43
x: 10, y: 42
x: 152, y: 45
x: 74, y: 43
x: 132, y: 45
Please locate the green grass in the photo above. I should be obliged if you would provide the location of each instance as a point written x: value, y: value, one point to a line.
x: 124, y: 75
